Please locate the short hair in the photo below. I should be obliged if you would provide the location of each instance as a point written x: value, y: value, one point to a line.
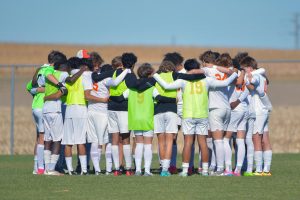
x: 240, y: 56
x: 64, y: 66
x: 145, y: 70
x: 191, y: 64
x: 116, y: 62
x: 175, y: 57
x: 74, y: 62
x: 249, y: 62
x: 208, y: 57
x: 96, y: 58
x: 235, y: 63
x: 128, y: 60
x: 56, y: 56
x: 88, y: 62
x: 167, y: 66
x: 105, y: 68
x: 224, y: 60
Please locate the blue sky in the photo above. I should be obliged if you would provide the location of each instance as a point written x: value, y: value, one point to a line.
x: 218, y: 23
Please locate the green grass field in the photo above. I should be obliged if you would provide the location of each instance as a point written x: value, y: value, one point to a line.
x: 17, y: 182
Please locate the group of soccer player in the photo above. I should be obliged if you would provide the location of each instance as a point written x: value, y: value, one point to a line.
x: 218, y: 101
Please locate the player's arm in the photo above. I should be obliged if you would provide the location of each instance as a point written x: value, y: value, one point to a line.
x: 240, y: 79
x: 169, y: 86
x: 35, y: 78
x: 73, y: 78
x: 115, y: 82
x: 139, y: 84
x: 188, y: 76
x: 251, y: 81
x: 89, y: 97
x: 214, y: 83
x: 242, y: 98
x: 53, y: 96
x: 162, y: 99
x: 97, y: 77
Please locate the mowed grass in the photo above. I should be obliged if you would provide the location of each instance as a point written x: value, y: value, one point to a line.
x: 17, y: 182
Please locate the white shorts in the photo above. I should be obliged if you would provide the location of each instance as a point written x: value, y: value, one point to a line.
x: 143, y: 133
x: 54, y: 126
x: 38, y: 119
x: 165, y: 123
x: 237, y: 121
x: 195, y: 126
x: 219, y: 119
x: 118, y: 122
x: 260, y: 123
x: 75, y: 130
x: 179, y: 120
x: 250, y: 127
x: 97, y: 128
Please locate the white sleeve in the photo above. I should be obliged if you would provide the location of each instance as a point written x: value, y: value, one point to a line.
x: 155, y: 93
x: 260, y: 71
x: 179, y: 83
x: 206, y: 71
x: 244, y: 95
x: 33, y: 91
x: 255, y: 80
x: 87, y: 82
x: 219, y: 83
x: 63, y: 77
x: 119, y: 79
x: 126, y: 94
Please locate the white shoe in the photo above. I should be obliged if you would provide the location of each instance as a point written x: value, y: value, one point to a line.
x: 34, y: 172
x: 52, y: 173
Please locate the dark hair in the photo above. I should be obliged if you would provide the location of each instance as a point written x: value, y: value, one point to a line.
x: 167, y: 66
x: 145, y: 70
x: 191, y: 64
x: 116, y: 62
x: 209, y: 57
x: 128, y: 60
x: 96, y: 58
x: 236, y: 64
x: 224, y: 60
x: 105, y: 68
x: 74, y: 62
x: 174, y: 57
x: 88, y: 63
x: 56, y: 56
x: 240, y: 56
x: 249, y: 62
x: 217, y: 55
x: 63, y: 66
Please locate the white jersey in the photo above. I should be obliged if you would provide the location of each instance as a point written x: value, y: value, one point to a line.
x: 55, y: 105
x: 179, y: 96
x: 218, y: 97
x: 99, y: 90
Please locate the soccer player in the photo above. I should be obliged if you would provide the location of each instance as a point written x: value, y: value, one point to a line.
x: 195, y: 111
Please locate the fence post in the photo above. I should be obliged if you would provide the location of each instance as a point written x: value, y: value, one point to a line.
x: 12, y: 109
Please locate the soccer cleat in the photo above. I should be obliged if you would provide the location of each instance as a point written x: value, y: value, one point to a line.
x: 108, y: 173
x: 40, y: 171
x: 173, y: 170
x: 148, y: 174
x: 219, y: 173
x: 97, y: 173
x: 199, y: 170
x: 71, y: 173
x: 248, y: 174
x: 117, y: 173
x: 138, y: 173
x: 228, y: 173
x: 84, y: 173
x: 257, y: 174
x: 52, y: 173
x: 211, y: 171
x: 165, y: 173
x: 129, y: 173
x: 190, y: 171
x: 183, y: 174
x: 266, y: 174
x: 236, y: 173
x: 34, y: 172
x: 122, y: 169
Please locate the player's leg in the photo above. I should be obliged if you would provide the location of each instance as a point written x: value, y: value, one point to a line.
x: 186, y: 153
x: 108, y: 158
x: 35, y: 160
x: 139, y: 152
x: 267, y: 151
x: 228, y: 153
x: 38, y: 118
x: 250, y: 146
x: 212, y: 154
x: 68, y: 157
x: 201, y: 133
x: 173, y: 168
x: 148, y: 138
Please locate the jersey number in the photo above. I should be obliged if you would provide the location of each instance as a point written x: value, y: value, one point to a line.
x: 95, y: 86
x: 219, y: 77
x: 196, y: 88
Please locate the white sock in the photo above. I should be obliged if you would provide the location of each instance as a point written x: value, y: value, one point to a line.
x: 174, y: 155
x: 40, y: 156
x: 47, y: 158
x: 205, y: 167
x: 53, y: 161
x: 83, y: 163
x: 35, y: 165
x: 139, y: 156
x: 185, y: 167
x: 69, y: 163
x: 108, y: 158
x: 115, y: 155
x: 166, y: 165
x: 148, y: 157
x: 200, y: 160
x: 250, y: 154
x: 228, y: 154
x: 240, y: 154
x: 127, y: 156
x: 95, y: 156
x: 191, y: 164
x: 210, y: 146
x: 267, y: 160
x: 258, y: 160
x: 219, y: 154
x: 100, y: 154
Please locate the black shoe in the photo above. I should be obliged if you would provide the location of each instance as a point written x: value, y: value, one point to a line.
x: 122, y: 169
x: 78, y: 169
x: 84, y: 173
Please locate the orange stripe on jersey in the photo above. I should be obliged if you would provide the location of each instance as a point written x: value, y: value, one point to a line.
x: 95, y: 86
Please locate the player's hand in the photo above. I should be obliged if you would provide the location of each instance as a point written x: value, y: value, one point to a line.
x: 103, y: 100
x: 234, y: 104
x: 193, y: 71
x: 249, y: 76
x: 62, y: 88
x: 83, y: 68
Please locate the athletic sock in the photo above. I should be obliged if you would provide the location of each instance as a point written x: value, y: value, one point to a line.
x: 185, y: 167
x: 83, y: 163
x: 35, y: 165
x: 127, y: 156
x: 205, y: 167
x: 210, y: 146
x: 200, y: 160
x: 192, y: 158
x: 47, y: 158
x: 267, y: 160
x: 40, y: 156
x: 69, y: 163
x: 115, y: 156
x: 227, y: 153
x: 148, y: 157
x: 95, y: 156
x: 108, y: 158
x: 240, y: 154
x: 250, y: 154
x: 174, y: 155
x: 138, y: 156
x: 166, y: 165
x: 219, y: 154
x: 258, y: 160
x: 100, y: 154
x: 53, y: 161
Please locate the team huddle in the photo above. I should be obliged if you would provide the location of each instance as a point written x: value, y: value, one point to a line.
x: 220, y: 102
